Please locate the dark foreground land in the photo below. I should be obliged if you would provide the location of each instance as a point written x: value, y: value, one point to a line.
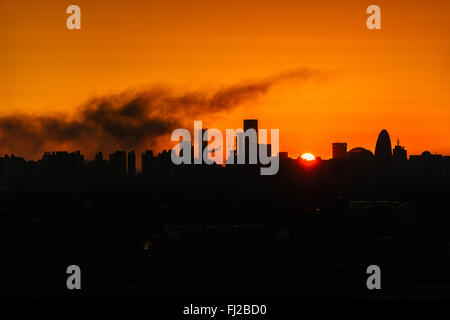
x: 256, y: 241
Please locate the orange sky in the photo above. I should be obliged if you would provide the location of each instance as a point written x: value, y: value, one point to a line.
x: 396, y: 78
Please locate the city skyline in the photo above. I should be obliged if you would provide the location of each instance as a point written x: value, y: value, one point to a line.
x: 394, y: 78
x: 338, y: 149
x: 122, y: 164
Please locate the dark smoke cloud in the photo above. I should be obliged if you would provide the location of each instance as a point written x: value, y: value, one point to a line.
x: 133, y: 119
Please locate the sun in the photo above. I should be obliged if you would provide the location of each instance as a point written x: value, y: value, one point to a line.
x: 308, y: 157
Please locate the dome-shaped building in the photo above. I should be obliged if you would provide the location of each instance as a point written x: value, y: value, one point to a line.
x: 383, y: 148
x: 360, y: 153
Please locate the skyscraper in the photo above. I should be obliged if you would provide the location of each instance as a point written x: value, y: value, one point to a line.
x: 383, y: 148
x: 118, y: 164
x: 148, y: 164
x: 131, y: 164
x: 400, y: 152
x: 339, y: 149
x: 250, y: 124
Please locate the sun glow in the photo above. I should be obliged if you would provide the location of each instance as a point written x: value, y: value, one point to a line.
x: 308, y: 157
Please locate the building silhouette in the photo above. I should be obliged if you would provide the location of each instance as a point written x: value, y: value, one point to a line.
x: 12, y: 169
x: 148, y: 165
x: 383, y: 148
x: 339, y: 149
x: 118, y: 165
x: 131, y: 164
x: 97, y: 170
x: 250, y: 124
x: 360, y: 153
x: 400, y: 153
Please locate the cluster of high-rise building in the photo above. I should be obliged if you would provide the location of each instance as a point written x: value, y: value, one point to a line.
x: 67, y: 167
x: 346, y: 166
x: 383, y: 149
x: 387, y: 165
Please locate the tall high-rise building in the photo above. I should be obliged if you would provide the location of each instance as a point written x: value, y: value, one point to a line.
x: 148, y: 164
x: 131, y: 163
x: 339, y: 149
x: 99, y: 167
x: 99, y: 156
x: 250, y: 124
x: 118, y: 164
x: 400, y: 152
x: 383, y: 148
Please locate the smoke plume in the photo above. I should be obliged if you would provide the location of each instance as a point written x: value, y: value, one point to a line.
x: 133, y: 119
